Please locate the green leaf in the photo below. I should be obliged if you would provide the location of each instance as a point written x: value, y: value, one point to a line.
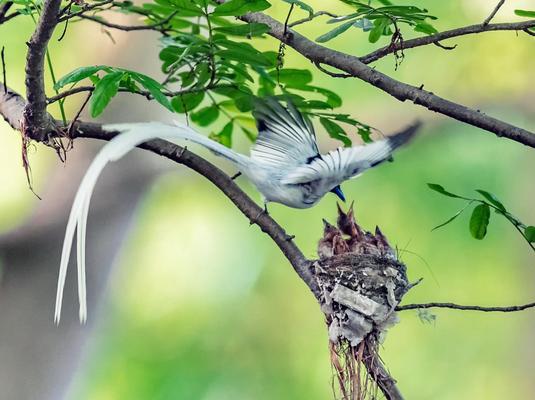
x: 246, y: 57
x: 239, y: 69
x: 225, y: 136
x: 292, y: 77
x: 154, y: 88
x: 365, y: 133
x: 363, y: 23
x: 379, y: 27
x: 440, y: 189
x: 479, y: 221
x: 301, y: 5
x: 451, y: 218
x: 250, y: 134
x: 525, y: 13
x: 529, y: 233
x: 104, y: 91
x: 240, y: 7
x: 424, y: 27
x: 187, y: 102
x: 335, y: 131
x: 205, y: 116
x: 78, y: 74
x: 335, y: 32
x: 332, y: 98
x: 232, y: 91
x: 248, y: 30
x: 491, y: 199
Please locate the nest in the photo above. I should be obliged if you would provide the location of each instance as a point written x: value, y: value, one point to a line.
x: 362, y: 282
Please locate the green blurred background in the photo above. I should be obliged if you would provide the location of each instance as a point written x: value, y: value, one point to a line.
x: 200, y: 305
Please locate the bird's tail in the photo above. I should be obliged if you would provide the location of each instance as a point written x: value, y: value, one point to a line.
x: 152, y: 130
x: 130, y: 136
x: 382, y: 150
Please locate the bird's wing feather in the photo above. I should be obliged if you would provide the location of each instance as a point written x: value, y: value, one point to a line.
x: 285, y: 137
x: 345, y: 163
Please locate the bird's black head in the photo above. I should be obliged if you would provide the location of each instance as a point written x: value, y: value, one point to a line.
x: 338, y: 191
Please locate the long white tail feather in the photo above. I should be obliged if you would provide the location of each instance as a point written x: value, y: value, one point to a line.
x: 131, y: 136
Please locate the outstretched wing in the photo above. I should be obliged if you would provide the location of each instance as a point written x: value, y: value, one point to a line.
x: 285, y: 138
x: 345, y: 163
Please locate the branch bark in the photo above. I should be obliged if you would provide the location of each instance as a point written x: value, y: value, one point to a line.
x: 400, y: 90
x: 493, y: 13
x: 466, y: 308
x: 438, y: 37
x: 37, y: 122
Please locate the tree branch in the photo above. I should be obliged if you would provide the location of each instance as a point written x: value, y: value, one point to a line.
x: 63, y: 16
x: 37, y: 122
x: 438, y: 37
x: 468, y: 308
x: 311, y: 17
x: 158, y: 26
x: 379, y: 373
x: 144, y: 93
x: 4, y: 8
x: 400, y: 90
x: 493, y: 13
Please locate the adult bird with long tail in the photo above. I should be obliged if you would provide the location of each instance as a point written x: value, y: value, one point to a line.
x: 285, y: 165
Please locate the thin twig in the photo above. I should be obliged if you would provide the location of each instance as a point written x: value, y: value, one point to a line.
x: 158, y: 26
x: 437, y: 37
x: 4, y: 70
x: 464, y: 307
x: 85, y: 8
x: 4, y: 9
x: 493, y: 13
x: 75, y: 119
x: 333, y: 74
x: 144, y: 93
x: 311, y: 17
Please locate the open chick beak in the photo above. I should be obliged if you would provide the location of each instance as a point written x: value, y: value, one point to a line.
x: 338, y: 191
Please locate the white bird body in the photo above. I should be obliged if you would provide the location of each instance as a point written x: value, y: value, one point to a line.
x: 285, y: 164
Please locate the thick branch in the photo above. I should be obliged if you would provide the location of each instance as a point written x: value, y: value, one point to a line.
x: 438, y: 37
x: 401, y: 91
x: 12, y: 105
x: 467, y: 308
x: 380, y: 375
x: 37, y: 123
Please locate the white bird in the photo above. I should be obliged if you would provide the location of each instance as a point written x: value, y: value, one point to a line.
x: 285, y: 165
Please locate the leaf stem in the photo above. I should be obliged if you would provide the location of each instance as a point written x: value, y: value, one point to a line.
x: 53, y: 76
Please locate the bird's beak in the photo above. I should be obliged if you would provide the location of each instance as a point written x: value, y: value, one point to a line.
x: 338, y: 191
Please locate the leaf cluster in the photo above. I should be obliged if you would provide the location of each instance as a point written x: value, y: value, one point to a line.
x: 480, y: 217
x: 380, y: 21
x: 212, y: 70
